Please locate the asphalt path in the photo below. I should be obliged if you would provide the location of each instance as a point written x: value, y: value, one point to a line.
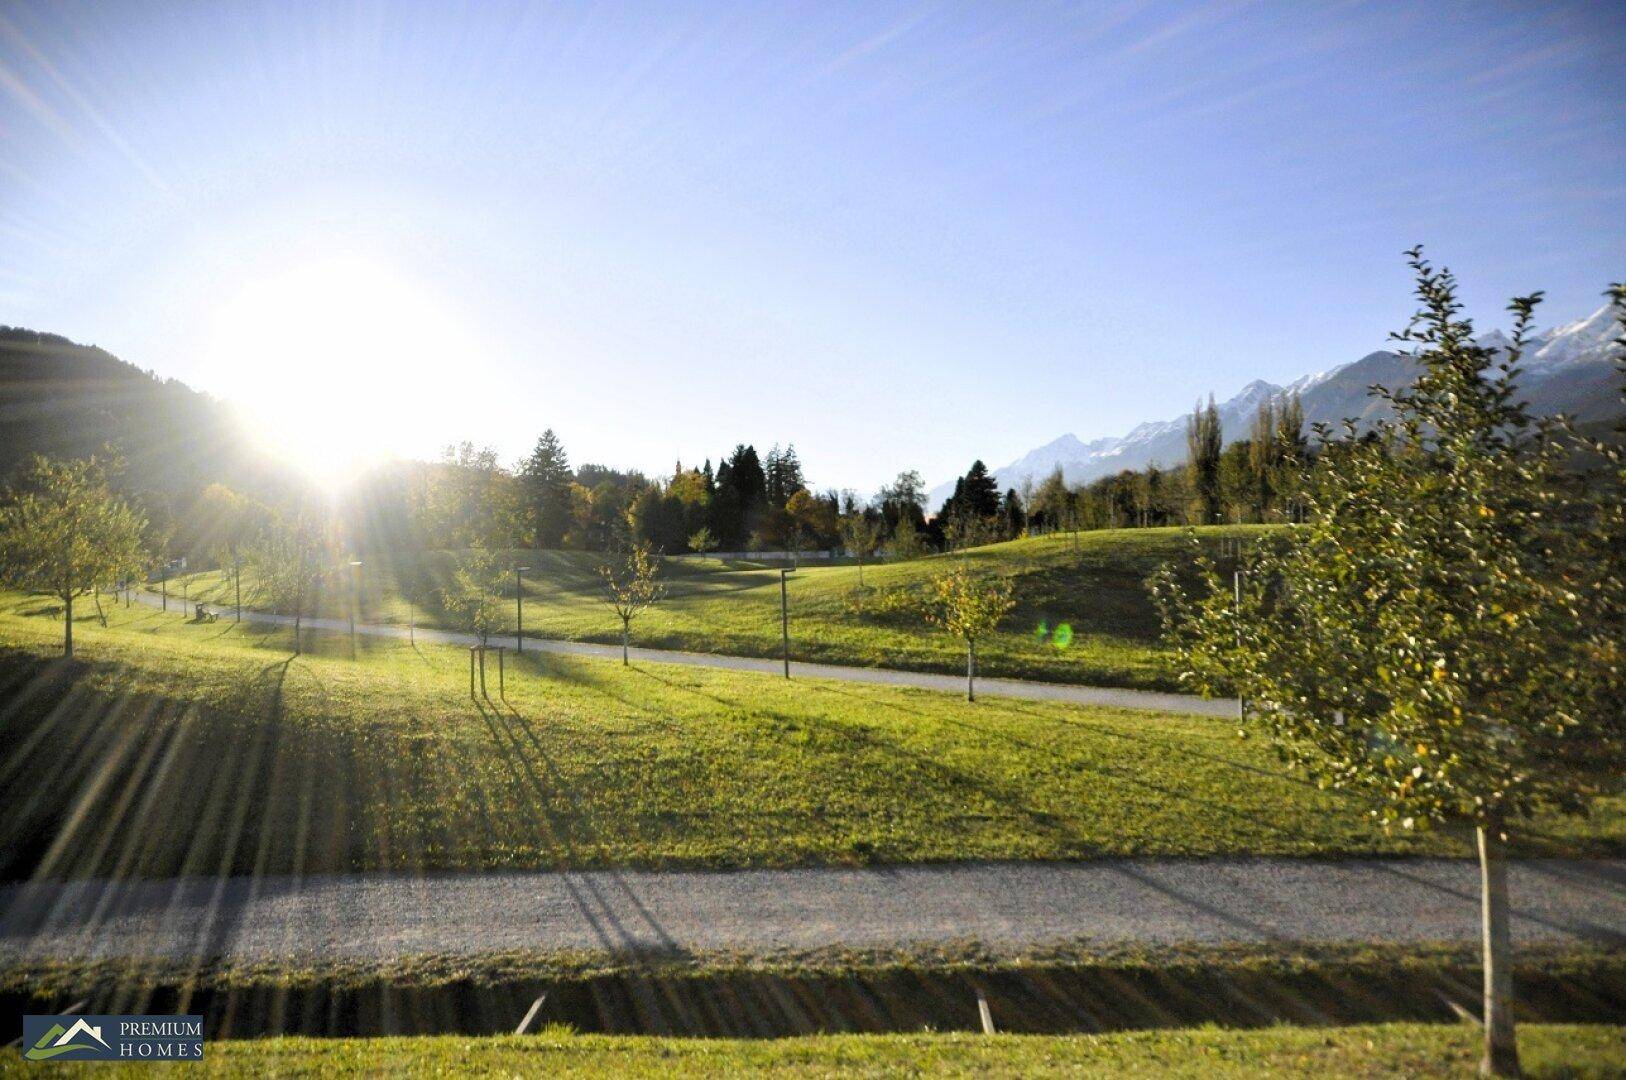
x: 1112, y: 902
x: 1012, y: 688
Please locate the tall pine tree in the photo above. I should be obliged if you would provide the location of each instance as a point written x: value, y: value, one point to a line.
x: 546, y: 478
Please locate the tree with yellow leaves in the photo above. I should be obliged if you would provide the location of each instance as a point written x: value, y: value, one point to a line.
x: 969, y: 606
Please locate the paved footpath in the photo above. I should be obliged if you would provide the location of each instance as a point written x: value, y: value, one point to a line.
x: 1002, y: 905
x: 1013, y: 688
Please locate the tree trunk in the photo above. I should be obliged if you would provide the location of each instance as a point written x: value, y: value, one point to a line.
x: 970, y: 670
x: 296, y: 635
x: 626, y: 632
x: 67, y: 628
x: 1501, y: 1042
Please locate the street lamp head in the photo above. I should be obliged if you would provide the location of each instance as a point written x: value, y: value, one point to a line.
x: 355, y: 562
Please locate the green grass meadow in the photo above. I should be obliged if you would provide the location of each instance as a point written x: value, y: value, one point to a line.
x: 1423, y: 1051
x: 1094, y: 582
x: 257, y: 761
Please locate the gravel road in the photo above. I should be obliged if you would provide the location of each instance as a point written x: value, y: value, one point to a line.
x: 1110, y: 902
x: 1012, y: 688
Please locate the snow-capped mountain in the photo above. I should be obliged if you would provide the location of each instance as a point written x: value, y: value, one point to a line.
x: 1566, y: 369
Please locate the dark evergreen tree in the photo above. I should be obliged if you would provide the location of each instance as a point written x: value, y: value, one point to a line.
x: 1015, y: 517
x: 546, y: 478
x: 981, y: 492
x: 783, y: 476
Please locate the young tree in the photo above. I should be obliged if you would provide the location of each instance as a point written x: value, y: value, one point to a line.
x: 473, y: 597
x: 631, y: 586
x: 289, y: 558
x: 1203, y: 441
x: 969, y: 607
x: 860, y: 535
x: 227, y: 523
x: 1443, y: 631
x: 66, y: 534
x: 702, y: 541
x: 906, y: 540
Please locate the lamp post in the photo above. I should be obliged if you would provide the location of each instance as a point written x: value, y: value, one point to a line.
x: 519, y: 608
x: 784, y: 619
x: 355, y: 601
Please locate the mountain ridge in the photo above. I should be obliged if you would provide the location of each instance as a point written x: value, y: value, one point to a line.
x: 1566, y: 368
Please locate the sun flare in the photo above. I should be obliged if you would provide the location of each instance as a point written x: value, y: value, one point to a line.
x: 333, y: 361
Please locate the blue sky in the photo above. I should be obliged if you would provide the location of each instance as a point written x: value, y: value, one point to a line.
x: 899, y: 235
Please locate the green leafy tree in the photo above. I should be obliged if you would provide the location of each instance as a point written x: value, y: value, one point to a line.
x: 473, y: 596
x: 65, y: 533
x: 970, y: 607
x: 1443, y: 632
x: 289, y: 558
x: 226, y: 523
x: 861, y: 536
x: 701, y: 541
x: 631, y: 586
x: 906, y: 539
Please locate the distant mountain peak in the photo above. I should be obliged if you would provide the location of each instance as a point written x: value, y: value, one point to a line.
x: 1565, y: 368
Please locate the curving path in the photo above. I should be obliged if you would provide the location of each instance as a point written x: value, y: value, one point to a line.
x: 1013, y: 688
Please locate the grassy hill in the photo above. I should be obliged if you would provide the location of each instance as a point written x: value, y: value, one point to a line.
x: 175, y: 747
x: 1095, y: 583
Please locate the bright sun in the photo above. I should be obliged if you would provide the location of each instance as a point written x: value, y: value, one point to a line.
x: 341, y: 363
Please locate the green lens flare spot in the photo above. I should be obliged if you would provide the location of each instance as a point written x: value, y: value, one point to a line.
x: 1063, y: 636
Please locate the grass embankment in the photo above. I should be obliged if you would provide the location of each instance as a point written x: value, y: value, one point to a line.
x: 1413, y: 1050
x: 171, y: 747
x: 1094, y: 582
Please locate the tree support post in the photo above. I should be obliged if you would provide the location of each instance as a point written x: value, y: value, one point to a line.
x: 1236, y: 592
x: 1501, y: 1042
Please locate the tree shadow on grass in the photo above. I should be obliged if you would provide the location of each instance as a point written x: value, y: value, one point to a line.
x: 864, y: 740
x: 1125, y: 777
x: 521, y: 746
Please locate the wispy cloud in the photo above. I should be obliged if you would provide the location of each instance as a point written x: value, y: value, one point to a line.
x: 877, y: 42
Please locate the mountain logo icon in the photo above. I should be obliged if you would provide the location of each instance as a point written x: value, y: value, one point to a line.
x: 58, y: 1041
